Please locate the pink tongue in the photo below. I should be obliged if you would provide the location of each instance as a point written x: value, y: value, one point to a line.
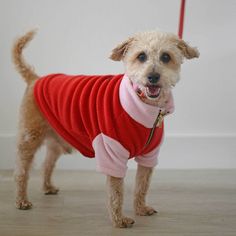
x: 153, y: 90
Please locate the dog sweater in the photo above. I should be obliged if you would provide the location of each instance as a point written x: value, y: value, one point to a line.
x: 102, y: 117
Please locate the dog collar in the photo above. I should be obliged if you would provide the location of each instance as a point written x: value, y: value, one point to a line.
x: 140, y: 93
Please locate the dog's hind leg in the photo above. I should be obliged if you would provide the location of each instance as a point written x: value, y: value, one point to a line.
x: 32, y: 130
x: 29, y: 141
x: 143, y: 178
x: 54, y: 150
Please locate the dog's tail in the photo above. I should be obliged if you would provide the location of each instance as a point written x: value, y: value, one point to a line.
x: 26, y: 71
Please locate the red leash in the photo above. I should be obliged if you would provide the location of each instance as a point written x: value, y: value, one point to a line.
x: 181, y: 19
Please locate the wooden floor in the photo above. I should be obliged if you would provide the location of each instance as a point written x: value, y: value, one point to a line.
x: 189, y: 203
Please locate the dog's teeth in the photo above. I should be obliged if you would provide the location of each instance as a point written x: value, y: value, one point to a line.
x: 153, y: 91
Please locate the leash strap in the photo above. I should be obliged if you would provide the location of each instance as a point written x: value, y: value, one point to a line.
x: 181, y: 19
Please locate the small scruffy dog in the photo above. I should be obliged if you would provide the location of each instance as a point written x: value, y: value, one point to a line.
x: 111, y: 117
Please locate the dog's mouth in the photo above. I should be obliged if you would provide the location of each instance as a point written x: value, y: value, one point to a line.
x: 149, y: 91
x: 152, y: 91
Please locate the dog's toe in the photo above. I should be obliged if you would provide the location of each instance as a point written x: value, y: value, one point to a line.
x: 24, y: 205
x: 51, y: 190
x: 145, y: 211
x: 124, y: 222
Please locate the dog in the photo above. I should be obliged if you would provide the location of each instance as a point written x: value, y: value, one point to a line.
x: 112, y: 117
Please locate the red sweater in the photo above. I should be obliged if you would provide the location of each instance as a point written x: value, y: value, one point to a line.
x: 80, y: 108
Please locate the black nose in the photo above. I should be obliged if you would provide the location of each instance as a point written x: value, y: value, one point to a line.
x: 154, y: 78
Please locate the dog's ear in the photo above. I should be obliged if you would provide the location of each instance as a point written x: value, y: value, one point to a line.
x: 119, y: 51
x: 187, y: 51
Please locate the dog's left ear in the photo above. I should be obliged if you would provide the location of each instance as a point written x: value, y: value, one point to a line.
x: 119, y: 52
x: 187, y: 51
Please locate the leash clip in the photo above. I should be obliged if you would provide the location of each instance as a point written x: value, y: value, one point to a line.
x: 157, y: 123
x: 159, y: 119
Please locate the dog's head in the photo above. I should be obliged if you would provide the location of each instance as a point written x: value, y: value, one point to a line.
x: 152, y: 62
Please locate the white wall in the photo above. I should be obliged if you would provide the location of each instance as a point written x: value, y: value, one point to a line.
x: 76, y: 37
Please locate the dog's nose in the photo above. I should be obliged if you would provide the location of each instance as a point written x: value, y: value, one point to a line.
x: 154, y: 78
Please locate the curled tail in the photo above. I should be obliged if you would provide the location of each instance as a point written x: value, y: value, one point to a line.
x: 26, y: 71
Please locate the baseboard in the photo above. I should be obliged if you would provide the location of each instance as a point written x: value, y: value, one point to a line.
x: 179, y: 151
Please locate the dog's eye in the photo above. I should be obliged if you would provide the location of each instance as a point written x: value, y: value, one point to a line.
x: 142, y: 57
x: 165, y: 57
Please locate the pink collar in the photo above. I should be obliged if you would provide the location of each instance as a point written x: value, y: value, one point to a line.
x: 141, y: 112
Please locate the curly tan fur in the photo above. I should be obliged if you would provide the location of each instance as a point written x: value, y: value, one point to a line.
x: 53, y: 153
x: 35, y: 131
x: 22, y: 67
x: 115, y: 187
x: 143, y: 178
x: 153, y: 44
x: 31, y: 133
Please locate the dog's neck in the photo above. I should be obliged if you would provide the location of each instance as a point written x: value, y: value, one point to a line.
x: 139, y: 110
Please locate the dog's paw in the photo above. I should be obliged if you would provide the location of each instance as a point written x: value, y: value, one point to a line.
x: 24, y: 205
x: 124, y: 222
x: 50, y: 190
x: 145, y: 211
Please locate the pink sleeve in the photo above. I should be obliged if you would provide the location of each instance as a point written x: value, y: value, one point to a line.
x: 111, y: 157
x: 149, y: 159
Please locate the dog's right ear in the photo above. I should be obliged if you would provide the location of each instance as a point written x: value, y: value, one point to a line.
x: 119, y: 51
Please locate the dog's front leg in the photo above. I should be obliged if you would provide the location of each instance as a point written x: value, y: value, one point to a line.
x: 115, y: 202
x: 143, y: 178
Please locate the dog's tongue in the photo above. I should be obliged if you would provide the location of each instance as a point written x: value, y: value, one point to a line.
x: 153, y: 91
